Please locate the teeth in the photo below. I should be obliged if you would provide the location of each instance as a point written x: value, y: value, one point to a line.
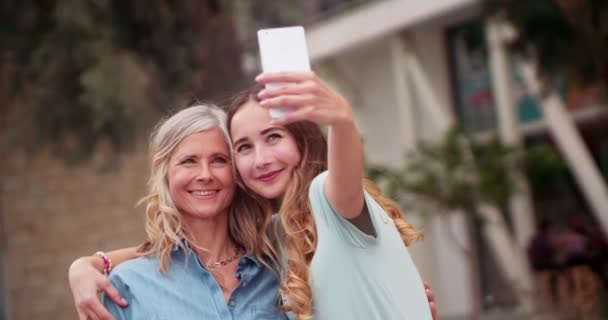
x: 203, y: 193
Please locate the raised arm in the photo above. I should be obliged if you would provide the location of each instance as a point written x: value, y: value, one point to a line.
x: 87, y: 281
x: 316, y: 101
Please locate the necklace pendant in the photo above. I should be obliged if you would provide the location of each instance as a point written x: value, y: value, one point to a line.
x: 226, y: 261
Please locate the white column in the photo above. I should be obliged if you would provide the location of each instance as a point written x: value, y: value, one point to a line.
x: 510, y: 257
x: 520, y: 204
x: 399, y: 51
x: 427, y: 101
x: 572, y: 147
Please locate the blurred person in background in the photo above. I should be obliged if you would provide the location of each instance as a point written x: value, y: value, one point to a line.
x: 598, y: 254
x: 577, y: 285
x: 541, y: 255
x: 325, y: 216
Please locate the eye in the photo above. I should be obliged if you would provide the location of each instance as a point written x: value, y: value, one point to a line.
x: 187, y: 161
x: 243, y: 147
x: 273, y: 137
x: 219, y: 159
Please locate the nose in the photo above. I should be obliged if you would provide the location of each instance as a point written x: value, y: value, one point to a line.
x: 262, y: 157
x: 204, y: 174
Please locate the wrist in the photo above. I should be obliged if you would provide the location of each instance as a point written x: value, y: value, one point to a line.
x: 345, y: 116
x: 106, y: 262
x: 85, y: 262
x: 92, y: 261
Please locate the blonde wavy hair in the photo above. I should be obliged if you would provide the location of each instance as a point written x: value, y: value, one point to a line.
x: 247, y: 218
x: 299, y: 236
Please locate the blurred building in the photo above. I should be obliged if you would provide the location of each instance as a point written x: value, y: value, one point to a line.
x: 410, y: 71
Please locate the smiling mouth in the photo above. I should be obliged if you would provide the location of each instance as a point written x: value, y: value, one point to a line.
x: 270, y: 176
x: 204, y: 194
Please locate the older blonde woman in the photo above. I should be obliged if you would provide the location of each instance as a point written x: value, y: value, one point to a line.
x: 205, y: 256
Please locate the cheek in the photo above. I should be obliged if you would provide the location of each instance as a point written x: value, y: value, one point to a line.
x: 288, y: 153
x: 177, y: 178
x: 243, y: 166
x: 174, y: 180
x: 228, y: 177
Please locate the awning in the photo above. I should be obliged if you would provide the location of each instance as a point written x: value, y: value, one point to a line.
x: 374, y: 20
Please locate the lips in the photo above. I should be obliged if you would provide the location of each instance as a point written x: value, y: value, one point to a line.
x: 270, y: 176
x: 204, y: 194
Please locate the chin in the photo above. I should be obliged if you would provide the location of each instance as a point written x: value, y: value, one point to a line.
x: 268, y: 194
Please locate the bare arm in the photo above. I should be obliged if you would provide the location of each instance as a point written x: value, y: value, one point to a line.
x: 87, y: 281
x: 316, y: 101
x: 344, y: 184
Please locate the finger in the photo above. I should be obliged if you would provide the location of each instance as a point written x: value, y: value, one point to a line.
x: 98, y: 311
x: 292, y: 101
x: 294, y: 116
x: 113, y: 293
x: 429, y: 294
x: 426, y: 285
x: 287, y: 89
x: 433, y: 310
x: 286, y: 76
x: 90, y: 315
x: 81, y: 315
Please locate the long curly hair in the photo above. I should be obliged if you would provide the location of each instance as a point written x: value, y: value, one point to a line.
x: 165, y: 228
x: 299, y: 237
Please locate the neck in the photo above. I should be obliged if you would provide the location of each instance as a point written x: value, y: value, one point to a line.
x: 276, y: 204
x: 212, y: 235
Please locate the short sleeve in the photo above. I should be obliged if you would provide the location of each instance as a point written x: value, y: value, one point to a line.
x: 118, y: 312
x: 329, y: 221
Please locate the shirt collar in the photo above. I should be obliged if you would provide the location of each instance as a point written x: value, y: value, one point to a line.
x: 249, y: 255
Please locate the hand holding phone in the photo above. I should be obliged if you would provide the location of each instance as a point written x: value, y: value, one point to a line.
x: 283, y: 49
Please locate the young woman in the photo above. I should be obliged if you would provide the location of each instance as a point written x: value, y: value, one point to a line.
x: 344, y: 247
x: 344, y: 255
x: 195, y: 233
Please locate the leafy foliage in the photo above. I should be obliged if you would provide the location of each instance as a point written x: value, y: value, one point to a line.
x: 545, y: 168
x: 564, y: 35
x: 456, y: 173
x: 73, y: 73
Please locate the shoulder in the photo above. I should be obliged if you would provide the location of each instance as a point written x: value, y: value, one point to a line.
x: 319, y: 179
x: 130, y: 278
x: 137, y: 264
x: 131, y: 270
x: 317, y: 185
x: 318, y: 199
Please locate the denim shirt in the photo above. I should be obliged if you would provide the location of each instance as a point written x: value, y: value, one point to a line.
x: 188, y: 291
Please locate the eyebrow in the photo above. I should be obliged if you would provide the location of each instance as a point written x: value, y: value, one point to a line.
x: 189, y: 155
x: 263, y: 132
x: 221, y: 154
x: 180, y: 157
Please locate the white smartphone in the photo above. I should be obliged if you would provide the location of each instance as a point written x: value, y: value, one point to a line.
x: 283, y: 49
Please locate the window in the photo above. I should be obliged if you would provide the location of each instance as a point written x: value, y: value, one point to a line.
x: 472, y: 81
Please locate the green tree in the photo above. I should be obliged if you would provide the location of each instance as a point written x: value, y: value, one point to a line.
x: 456, y: 173
x: 564, y: 36
x: 75, y: 72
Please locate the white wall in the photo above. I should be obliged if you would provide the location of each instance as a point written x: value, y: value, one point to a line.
x: 429, y: 44
x: 366, y: 72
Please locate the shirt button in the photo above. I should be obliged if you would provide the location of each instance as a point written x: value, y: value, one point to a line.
x: 231, y: 303
x: 244, y: 284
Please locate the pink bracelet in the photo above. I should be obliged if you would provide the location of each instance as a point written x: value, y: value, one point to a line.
x: 107, y: 263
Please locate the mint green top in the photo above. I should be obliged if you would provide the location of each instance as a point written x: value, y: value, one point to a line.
x: 358, y: 276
